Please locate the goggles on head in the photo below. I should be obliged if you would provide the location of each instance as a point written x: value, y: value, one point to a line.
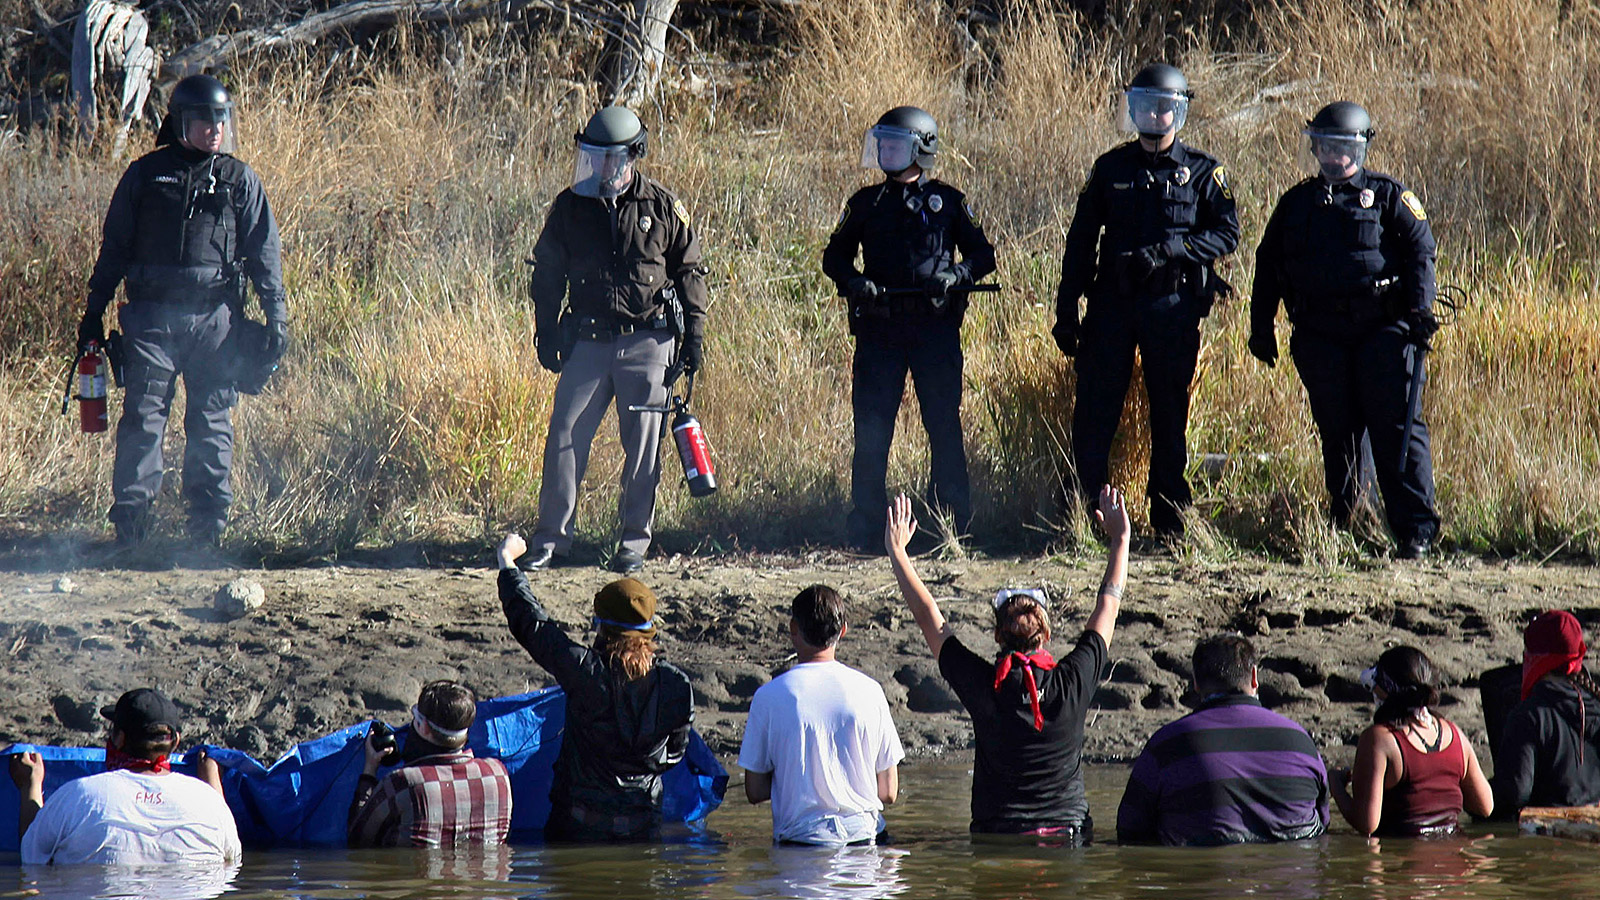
x: 1006, y: 595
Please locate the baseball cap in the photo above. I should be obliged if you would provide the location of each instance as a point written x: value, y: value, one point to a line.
x: 626, y: 604
x: 141, y: 712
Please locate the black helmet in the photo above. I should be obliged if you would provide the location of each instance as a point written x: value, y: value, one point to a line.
x: 615, y: 126
x: 904, y: 136
x: 1341, y: 119
x: 198, y: 97
x: 1162, y: 77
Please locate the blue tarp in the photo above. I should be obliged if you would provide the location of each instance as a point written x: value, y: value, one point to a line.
x: 304, y: 797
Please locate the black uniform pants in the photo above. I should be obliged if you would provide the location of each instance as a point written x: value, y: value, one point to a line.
x: 162, y: 343
x: 1166, y: 332
x: 931, y: 352
x: 1357, y: 386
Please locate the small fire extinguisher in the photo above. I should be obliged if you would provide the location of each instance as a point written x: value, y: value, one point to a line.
x: 694, y: 452
x: 89, y: 372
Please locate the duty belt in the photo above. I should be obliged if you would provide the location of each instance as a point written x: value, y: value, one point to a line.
x: 592, y: 329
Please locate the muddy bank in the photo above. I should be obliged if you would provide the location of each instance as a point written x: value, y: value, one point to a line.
x: 336, y: 644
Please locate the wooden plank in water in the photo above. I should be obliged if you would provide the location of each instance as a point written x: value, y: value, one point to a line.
x: 1580, y: 823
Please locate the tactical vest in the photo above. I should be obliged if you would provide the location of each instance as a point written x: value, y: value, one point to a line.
x: 1331, y: 256
x: 186, y: 229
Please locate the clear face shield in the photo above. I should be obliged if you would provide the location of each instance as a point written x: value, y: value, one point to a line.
x: 211, y: 129
x: 1153, y: 111
x: 888, y: 148
x: 602, y: 172
x: 1336, y: 157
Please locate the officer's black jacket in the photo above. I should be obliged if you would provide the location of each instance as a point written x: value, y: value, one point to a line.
x: 906, y: 232
x: 180, y: 224
x: 620, y: 735
x: 611, y: 261
x: 1328, y: 246
x: 1178, y: 199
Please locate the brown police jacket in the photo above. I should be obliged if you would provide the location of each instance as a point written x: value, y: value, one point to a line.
x: 611, y: 261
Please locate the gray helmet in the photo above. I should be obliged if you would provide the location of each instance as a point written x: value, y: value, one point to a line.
x: 199, y: 98
x: 616, y: 126
x: 1162, y: 77
x: 1341, y: 119
x: 903, y: 137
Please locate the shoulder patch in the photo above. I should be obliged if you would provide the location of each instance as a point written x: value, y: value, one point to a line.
x: 1415, y: 205
x: 972, y: 214
x: 681, y: 210
x: 844, y: 215
x: 1220, y: 176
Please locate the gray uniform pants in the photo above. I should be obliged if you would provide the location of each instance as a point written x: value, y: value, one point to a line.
x: 160, y: 344
x: 630, y: 369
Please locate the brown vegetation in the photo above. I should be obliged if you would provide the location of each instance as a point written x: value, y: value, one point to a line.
x: 410, y: 184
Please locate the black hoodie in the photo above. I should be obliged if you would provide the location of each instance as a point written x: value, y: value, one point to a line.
x: 1542, y: 759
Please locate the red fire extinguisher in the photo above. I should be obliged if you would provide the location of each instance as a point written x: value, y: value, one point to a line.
x: 89, y: 370
x: 694, y: 452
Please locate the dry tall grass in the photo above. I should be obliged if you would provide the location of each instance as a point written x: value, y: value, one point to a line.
x: 410, y: 189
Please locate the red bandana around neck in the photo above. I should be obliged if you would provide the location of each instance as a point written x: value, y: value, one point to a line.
x: 116, y: 759
x: 1040, y: 659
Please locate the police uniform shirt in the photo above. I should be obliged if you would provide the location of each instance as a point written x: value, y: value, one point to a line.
x: 1328, y: 245
x: 178, y: 223
x: 907, y: 231
x: 1178, y: 199
x: 611, y: 261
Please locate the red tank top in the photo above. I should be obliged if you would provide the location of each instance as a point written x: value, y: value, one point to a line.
x: 1428, y: 798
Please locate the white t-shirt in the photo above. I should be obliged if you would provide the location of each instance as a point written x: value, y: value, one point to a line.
x: 823, y: 730
x: 127, y: 818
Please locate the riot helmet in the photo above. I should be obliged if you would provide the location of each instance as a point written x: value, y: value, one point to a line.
x: 200, y: 116
x: 904, y: 137
x: 607, y: 147
x: 1156, y: 103
x: 1339, y: 136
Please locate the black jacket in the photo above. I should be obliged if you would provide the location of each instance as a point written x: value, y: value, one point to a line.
x: 1539, y: 761
x: 1178, y: 200
x: 611, y: 260
x: 181, y: 225
x: 620, y: 735
x: 906, y: 232
x: 1329, y: 249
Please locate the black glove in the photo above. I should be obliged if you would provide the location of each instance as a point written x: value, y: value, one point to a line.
x: 549, y: 354
x: 690, y: 354
x: 938, y: 286
x: 1264, y: 346
x: 1066, y: 338
x: 1423, y: 325
x: 277, y: 339
x: 92, y: 328
x: 863, y: 288
x: 1143, y: 262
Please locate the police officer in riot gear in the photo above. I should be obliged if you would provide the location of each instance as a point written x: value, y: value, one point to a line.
x: 616, y: 267
x: 1153, y: 217
x: 187, y: 222
x: 1349, y: 252
x: 909, y: 230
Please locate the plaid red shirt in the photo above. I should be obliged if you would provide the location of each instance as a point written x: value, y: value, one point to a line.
x: 440, y: 800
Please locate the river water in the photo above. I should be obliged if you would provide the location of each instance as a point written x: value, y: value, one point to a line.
x: 931, y: 857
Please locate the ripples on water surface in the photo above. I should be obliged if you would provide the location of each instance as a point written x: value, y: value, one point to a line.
x: 932, y: 858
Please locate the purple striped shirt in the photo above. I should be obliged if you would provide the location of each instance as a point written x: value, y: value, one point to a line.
x: 1230, y: 772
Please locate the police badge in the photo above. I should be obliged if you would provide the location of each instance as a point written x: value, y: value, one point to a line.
x: 1366, y: 198
x: 935, y: 203
x: 1181, y: 177
x: 644, y: 224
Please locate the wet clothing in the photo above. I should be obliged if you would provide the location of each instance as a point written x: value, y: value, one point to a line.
x: 183, y: 228
x: 1427, y: 800
x: 123, y: 818
x: 1144, y: 235
x: 603, y: 274
x: 905, y: 234
x: 1549, y: 750
x: 1351, y: 261
x: 620, y: 735
x: 1026, y: 778
x: 444, y: 800
x: 1231, y: 772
